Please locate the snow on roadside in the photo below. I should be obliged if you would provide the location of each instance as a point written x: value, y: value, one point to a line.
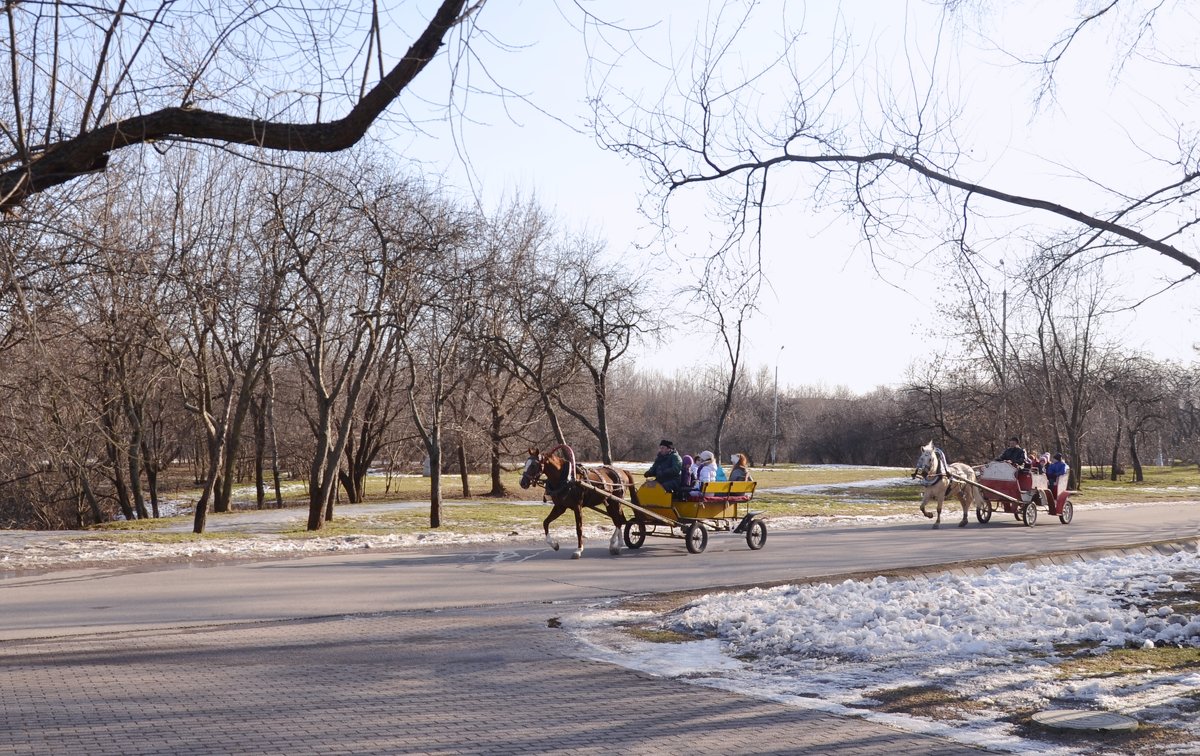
x: 24, y: 550
x: 49, y: 551
x: 991, y: 638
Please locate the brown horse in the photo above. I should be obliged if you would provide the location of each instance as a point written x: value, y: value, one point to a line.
x: 560, y: 475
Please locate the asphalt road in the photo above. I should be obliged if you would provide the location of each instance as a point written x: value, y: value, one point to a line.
x: 94, y: 600
x: 454, y: 651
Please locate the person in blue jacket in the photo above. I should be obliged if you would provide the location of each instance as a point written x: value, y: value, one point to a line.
x: 1055, y: 470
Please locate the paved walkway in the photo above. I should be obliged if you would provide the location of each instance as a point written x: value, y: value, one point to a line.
x: 372, y: 653
x: 495, y: 680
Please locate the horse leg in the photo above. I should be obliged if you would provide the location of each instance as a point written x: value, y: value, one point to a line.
x: 555, y: 513
x: 941, y: 498
x: 924, y: 501
x: 578, y: 510
x: 964, y: 498
x: 618, y: 518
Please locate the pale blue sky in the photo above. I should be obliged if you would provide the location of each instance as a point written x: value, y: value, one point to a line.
x: 841, y: 324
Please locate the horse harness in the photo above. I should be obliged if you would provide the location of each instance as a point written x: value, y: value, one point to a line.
x: 570, y: 481
x: 936, y: 459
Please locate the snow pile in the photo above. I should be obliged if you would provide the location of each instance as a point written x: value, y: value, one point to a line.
x: 991, y: 639
x: 1002, y: 611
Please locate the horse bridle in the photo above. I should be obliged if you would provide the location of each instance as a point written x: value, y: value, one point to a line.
x: 935, y: 460
x: 528, y: 480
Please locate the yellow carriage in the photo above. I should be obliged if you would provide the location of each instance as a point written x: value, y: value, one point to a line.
x: 717, y: 505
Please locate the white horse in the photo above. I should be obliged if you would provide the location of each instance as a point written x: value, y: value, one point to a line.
x: 939, y: 479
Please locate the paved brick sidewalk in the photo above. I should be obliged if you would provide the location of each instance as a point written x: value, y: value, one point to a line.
x: 479, y: 681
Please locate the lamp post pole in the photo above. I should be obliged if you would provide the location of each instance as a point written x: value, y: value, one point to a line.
x: 775, y: 414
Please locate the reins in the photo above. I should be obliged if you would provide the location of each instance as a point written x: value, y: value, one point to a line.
x: 572, y: 473
x: 937, y: 462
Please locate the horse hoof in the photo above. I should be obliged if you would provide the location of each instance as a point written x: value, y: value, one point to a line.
x: 578, y: 553
x: 936, y: 525
x: 928, y: 514
x: 614, y: 550
x: 554, y: 545
x: 962, y: 524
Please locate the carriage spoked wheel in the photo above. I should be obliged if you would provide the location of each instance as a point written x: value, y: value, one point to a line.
x: 696, y: 537
x: 983, y: 512
x: 635, y: 534
x: 756, y: 534
x: 1029, y: 513
x: 1068, y: 512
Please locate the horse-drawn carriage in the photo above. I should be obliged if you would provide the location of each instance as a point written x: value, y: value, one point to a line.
x: 719, y: 505
x: 1020, y: 491
x: 993, y: 487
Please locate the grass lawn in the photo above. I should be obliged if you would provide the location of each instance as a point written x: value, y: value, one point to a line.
x: 838, y: 496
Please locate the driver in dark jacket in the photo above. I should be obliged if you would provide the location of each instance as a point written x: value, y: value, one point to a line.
x: 1014, y: 453
x: 668, y: 466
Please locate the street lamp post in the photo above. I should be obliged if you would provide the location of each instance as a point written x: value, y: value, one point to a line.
x: 775, y: 414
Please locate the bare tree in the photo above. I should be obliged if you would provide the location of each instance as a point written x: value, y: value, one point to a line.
x: 436, y: 344
x: 352, y: 269
x: 85, y: 81
x: 600, y: 312
x: 728, y: 296
x: 1139, y: 389
x: 887, y: 149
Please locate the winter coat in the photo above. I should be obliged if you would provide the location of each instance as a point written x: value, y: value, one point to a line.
x: 667, y: 469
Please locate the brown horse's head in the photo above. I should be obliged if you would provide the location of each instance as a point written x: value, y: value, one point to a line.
x: 546, y: 469
x: 533, y: 469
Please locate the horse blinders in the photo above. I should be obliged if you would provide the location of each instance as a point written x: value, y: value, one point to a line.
x: 532, y: 473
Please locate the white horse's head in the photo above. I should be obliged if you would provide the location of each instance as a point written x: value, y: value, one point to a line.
x: 926, y: 461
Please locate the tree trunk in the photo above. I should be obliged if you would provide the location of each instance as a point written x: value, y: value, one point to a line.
x: 210, y: 485
x: 1114, y: 464
x: 233, y: 442
x: 134, y: 454
x: 462, y: 470
x: 118, y: 478
x: 435, y: 480
x: 494, y: 438
x: 352, y: 478
x: 258, y: 409
x: 270, y: 403
x: 1135, y: 459
x: 552, y: 416
x: 151, y: 466
x: 90, y: 497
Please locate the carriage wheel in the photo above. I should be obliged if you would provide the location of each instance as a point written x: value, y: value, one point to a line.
x: 1068, y: 512
x: 983, y: 512
x: 635, y: 534
x: 1029, y: 513
x: 756, y: 534
x: 696, y: 537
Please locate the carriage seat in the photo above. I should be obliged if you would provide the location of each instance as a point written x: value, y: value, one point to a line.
x: 996, y: 470
x: 725, y: 491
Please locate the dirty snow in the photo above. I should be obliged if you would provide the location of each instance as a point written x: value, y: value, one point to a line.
x: 991, y: 638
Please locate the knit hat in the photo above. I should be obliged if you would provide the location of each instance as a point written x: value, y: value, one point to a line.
x: 733, y: 458
x: 706, y: 456
x: 666, y: 443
